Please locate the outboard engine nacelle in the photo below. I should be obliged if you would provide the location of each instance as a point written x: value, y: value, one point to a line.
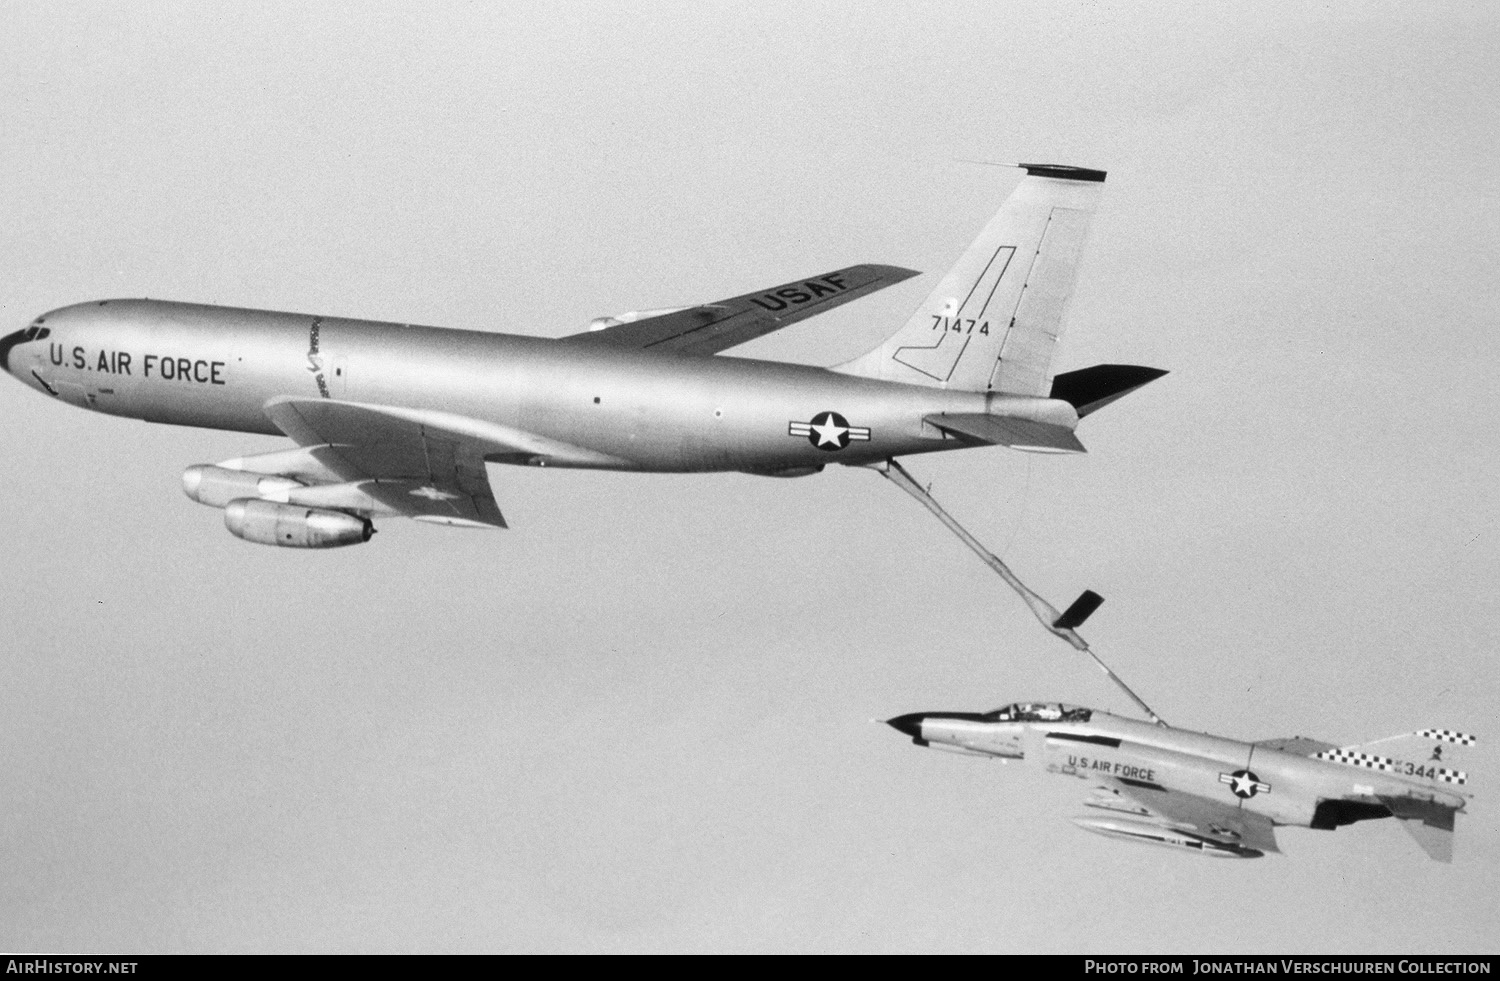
x: 294, y: 526
x: 217, y: 486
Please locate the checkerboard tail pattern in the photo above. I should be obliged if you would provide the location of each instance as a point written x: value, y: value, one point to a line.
x: 1351, y: 757
x: 1448, y: 736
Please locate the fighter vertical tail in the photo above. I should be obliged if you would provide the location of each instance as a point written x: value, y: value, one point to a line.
x: 1424, y: 757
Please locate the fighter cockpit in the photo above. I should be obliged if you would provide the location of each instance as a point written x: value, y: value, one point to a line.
x: 1038, y: 712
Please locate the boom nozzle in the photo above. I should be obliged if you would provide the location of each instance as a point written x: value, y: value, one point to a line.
x: 1083, y: 607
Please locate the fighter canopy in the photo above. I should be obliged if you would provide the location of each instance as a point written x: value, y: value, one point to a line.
x: 1038, y: 712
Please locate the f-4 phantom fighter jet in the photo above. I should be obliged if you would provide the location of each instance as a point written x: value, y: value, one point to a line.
x: 1215, y: 796
x: 398, y: 419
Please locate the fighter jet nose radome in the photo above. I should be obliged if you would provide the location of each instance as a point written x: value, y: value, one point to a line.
x: 910, y: 724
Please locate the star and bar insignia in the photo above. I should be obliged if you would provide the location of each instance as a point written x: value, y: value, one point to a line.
x: 828, y: 431
x: 1244, y: 784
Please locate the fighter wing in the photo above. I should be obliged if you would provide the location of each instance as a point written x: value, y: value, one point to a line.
x: 413, y: 465
x: 714, y: 327
x: 1215, y: 821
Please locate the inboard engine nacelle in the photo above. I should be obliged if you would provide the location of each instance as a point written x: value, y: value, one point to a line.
x: 294, y: 526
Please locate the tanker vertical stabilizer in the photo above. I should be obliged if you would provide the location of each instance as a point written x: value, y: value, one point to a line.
x: 993, y: 322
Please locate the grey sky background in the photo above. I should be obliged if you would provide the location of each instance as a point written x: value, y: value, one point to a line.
x: 638, y: 720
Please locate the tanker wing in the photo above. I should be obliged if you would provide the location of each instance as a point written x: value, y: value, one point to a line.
x: 713, y: 327
x: 417, y: 466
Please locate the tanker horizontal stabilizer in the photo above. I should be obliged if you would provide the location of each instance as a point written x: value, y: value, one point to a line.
x: 1018, y: 434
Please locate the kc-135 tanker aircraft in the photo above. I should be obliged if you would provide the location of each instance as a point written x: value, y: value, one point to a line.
x: 1214, y: 796
x: 399, y: 419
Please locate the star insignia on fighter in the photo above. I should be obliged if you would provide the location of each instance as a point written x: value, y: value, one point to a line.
x: 828, y: 431
x: 1244, y: 784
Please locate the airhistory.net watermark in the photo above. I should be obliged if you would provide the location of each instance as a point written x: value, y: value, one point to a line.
x: 61, y: 965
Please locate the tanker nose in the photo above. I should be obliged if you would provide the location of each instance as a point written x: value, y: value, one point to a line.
x: 910, y: 724
x: 35, y: 332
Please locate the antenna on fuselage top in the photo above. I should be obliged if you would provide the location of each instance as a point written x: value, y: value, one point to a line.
x: 1062, y: 625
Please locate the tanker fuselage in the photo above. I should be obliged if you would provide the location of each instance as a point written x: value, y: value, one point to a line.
x: 193, y: 365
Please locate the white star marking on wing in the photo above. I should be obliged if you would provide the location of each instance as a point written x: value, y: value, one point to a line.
x: 829, y: 432
x: 433, y: 494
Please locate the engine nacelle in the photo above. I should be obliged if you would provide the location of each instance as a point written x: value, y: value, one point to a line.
x: 217, y: 486
x: 294, y: 526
